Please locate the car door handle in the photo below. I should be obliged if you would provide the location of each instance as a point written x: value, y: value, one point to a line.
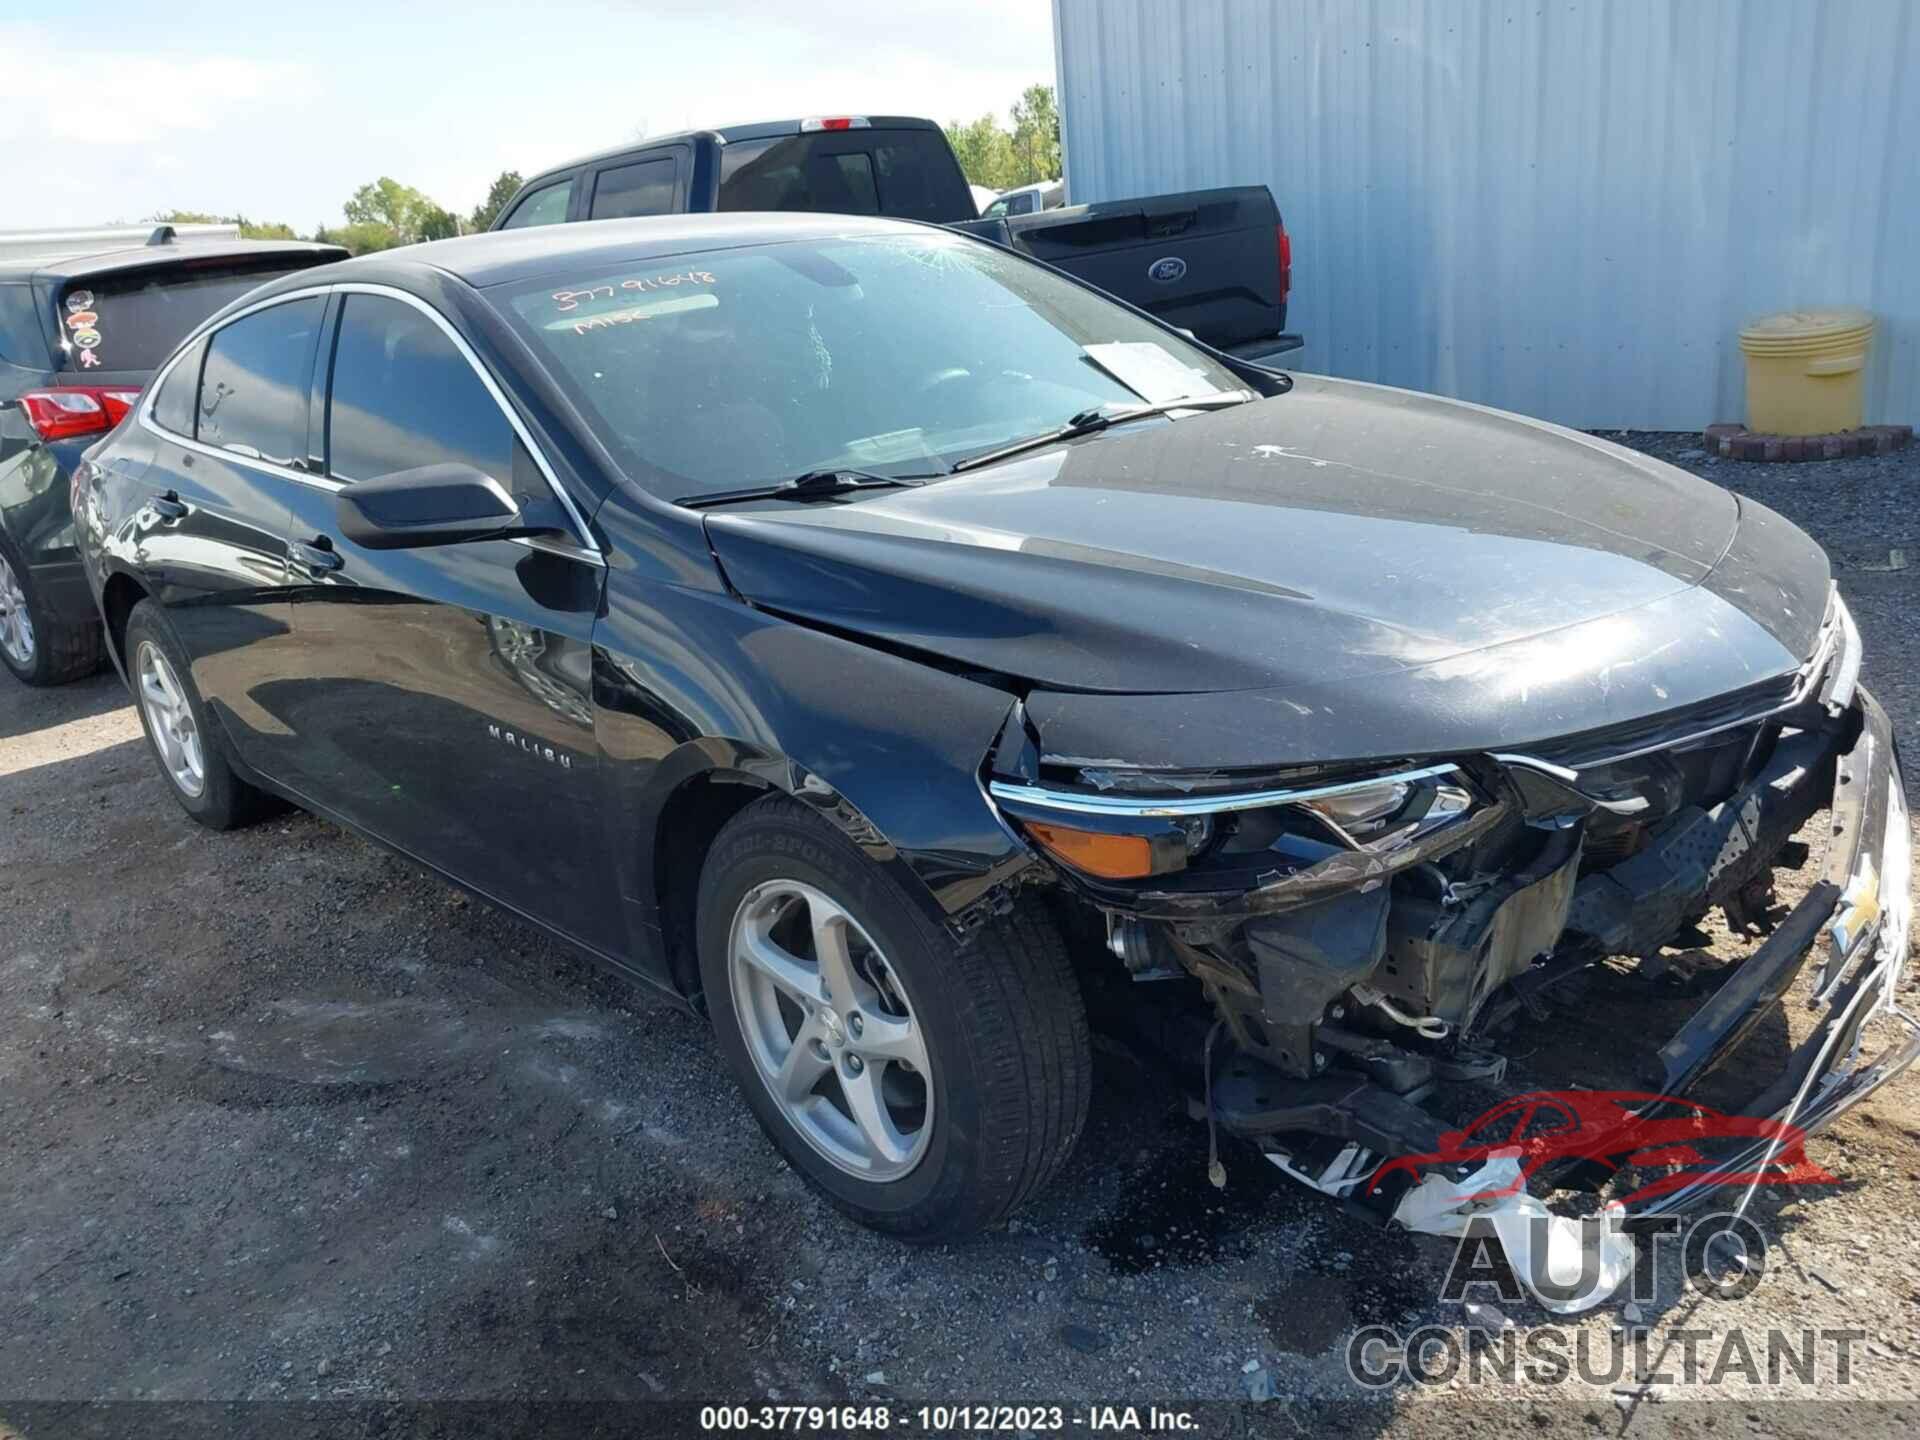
x: 317, y: 557
x: 168, y: 506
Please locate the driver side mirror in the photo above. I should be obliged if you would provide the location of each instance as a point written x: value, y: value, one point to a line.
x: 435, y: 505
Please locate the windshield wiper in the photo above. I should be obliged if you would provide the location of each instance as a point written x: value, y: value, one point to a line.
x: 810, y: 486
x: 1091, y: 422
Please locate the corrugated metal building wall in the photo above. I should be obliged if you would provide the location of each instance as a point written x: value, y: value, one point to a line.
x: 1562, y: 207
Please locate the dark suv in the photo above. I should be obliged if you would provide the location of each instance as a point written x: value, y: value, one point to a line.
x: 79, y: 337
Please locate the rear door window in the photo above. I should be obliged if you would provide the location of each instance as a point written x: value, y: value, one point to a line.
x: 646, y: 187
x: 23, y: 339
x: 253, y: 391
x: 907, y: 173
x: 132, y: 321
x: 173, y: 405
x: 545, y: 206
x: 403, y: 396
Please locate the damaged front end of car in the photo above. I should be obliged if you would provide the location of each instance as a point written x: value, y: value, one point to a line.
x: 1367, y: 942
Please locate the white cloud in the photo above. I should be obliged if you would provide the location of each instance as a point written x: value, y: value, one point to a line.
x: 79, y: 128
x: 108, y: 97
x: 283, y: 119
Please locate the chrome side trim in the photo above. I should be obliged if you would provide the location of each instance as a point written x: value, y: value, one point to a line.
x: 1837, y: 632
x: 1844, y: 678
x: 1677, y: 741
x: 585, y: 548
x: 1571, y: 779
x: 1079, y: 803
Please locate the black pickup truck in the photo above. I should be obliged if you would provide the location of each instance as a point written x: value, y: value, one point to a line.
x: 1216, y: 263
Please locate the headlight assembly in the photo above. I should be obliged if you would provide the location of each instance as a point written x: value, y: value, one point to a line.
x: 1114, y: 836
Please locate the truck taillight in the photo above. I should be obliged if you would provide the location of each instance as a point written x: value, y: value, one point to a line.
x: 835, y: 122
x: 1283, y: 242
x: 64, y: 412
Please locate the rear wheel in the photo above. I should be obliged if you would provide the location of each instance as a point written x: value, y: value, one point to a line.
x: 35, y: 645
x: 179, y: 730
x: 926, y: 1087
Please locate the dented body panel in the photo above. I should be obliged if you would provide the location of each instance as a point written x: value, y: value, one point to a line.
x: 1341, y: 573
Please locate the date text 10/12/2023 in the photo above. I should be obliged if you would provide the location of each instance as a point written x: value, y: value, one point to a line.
x: 945, y: 1419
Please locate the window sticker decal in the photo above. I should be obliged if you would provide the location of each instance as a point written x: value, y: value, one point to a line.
x: 82, y: 329
x: 568, y: 300
x: 640, y: 310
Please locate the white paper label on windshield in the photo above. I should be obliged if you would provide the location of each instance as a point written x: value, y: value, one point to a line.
x: 1149, y: 371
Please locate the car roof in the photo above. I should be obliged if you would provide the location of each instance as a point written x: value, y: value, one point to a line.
x: 725, y: 135
x: 135, y: 257
x: 590, y: 247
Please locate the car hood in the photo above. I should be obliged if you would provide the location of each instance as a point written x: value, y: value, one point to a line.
x: 1309, y: 545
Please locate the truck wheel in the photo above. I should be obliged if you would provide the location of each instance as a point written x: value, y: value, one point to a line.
x: 37, y: 647
x: 181, y: 732
x: 925, y: 1087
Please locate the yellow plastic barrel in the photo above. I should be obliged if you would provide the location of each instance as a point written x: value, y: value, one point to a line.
x: 1805, y: 370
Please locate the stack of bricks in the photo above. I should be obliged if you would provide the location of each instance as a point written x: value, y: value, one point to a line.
x: 1736, y: 442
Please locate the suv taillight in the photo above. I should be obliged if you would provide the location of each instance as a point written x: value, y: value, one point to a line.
x: 64, y: 412
x: 1284, y: 243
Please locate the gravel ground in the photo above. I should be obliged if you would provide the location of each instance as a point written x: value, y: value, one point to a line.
x: 281, y: 1117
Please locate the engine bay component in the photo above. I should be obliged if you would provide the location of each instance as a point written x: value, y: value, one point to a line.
x: 1445, y: 957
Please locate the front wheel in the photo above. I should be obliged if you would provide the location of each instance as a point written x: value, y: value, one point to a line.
x: 926, y: 1087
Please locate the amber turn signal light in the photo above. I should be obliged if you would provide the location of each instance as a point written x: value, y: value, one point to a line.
x: 1111, y: 857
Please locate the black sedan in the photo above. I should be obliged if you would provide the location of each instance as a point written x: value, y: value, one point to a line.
x: 887, y: 644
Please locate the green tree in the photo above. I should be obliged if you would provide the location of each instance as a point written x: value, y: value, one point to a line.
x: 1036, y: 135
x: 384, y: 213
x: 363, y: 237
x: 999, y: 158
x: 249, y: 229
x: 387, y: 202
x: 985, y: 152
x: 502, y: 190
x: 433, y: 223
x: 264, y: 230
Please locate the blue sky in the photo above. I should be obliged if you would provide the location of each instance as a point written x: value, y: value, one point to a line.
x: 278, y: 111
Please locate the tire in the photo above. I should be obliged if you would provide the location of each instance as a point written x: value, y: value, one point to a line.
x: 44, y: 650
x: 223, y: 801
x: 1004, y: 1082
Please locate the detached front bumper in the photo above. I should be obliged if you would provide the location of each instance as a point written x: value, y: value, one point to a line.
x: 1857, y: 918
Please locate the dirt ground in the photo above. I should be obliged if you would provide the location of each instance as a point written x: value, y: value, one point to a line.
x: 283, y: 1118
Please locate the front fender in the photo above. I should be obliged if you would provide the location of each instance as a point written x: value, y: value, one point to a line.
x: 693, y: 685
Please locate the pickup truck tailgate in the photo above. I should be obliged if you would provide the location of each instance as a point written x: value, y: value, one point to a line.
x: 1205, y: 260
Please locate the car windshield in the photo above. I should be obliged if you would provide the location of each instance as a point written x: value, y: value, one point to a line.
x: 894, y: 355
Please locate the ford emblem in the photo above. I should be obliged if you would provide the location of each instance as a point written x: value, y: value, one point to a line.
x: 1166, y: 270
